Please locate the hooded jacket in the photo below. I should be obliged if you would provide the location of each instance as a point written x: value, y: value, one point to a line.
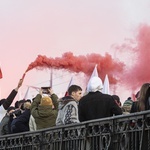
x: 68, y: 111
x: 97, y: 105
x: 44, y: 115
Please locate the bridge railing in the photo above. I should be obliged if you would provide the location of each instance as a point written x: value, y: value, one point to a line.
x: 124, y: 132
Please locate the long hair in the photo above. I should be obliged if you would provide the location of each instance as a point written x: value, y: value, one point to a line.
x: 144, y: 94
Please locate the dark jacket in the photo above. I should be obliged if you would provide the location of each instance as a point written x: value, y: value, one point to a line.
x: 21, y: 123
x: 7, y: 102
x: 134, y: 107
x: 97, y: 105
x: 4, y: 129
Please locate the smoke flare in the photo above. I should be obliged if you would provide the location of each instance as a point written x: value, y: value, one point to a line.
x: 85, y: 64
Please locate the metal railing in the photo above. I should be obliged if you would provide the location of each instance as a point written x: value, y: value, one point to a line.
x: 124, y: 132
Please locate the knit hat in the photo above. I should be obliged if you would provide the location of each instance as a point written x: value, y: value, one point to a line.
x: 46, y: 100
x: 128, y: 102
x: 95, y: 84
x: 127, y: 105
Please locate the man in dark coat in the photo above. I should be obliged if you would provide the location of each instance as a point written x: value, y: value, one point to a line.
x: 95, y: 104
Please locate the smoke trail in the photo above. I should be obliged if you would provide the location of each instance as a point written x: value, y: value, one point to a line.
x: 139, y: 73
x: 85, y: 64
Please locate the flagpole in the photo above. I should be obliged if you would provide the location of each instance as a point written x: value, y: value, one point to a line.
x: 51, y: 78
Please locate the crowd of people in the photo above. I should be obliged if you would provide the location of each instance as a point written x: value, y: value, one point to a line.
x: 47, y: 110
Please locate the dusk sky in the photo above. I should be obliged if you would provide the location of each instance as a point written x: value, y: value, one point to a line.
x: 29, y: 28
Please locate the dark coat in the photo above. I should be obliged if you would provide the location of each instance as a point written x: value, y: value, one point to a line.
x: 134, y: 107
x: 97, y: 105
x: 4, y: 129
x: 7, y: 102
x: 21, y: 123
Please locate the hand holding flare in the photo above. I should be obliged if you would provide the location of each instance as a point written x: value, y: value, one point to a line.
x: 20, y: 82
x: 23, y: 76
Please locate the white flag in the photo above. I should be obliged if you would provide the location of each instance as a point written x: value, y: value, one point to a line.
x: 70, y: 83
x: 106, y: 85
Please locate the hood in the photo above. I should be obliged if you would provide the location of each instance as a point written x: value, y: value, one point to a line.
x: 64, y: 101
x: 95, y: 84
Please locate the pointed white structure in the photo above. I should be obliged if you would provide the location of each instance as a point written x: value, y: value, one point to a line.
x: 106, y: 85
x: 94, y: 73
x: 70, y: 83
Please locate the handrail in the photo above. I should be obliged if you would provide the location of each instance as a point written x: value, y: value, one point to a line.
x: 123, y: 132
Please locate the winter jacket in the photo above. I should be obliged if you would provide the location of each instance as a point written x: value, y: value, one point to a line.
x: 44, y: 115
x: 97, y: 105
x: 21, y: 123
x: 68, y: 111
x: 4, y: 129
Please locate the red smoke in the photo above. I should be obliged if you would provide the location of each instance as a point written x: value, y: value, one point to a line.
x: 133, y: 77
x: 85, y: 64
x: 140, y: 72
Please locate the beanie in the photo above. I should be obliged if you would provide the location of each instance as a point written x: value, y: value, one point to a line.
x: 95, y: 84
x: 46, y: 100
x: 128, y: 102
